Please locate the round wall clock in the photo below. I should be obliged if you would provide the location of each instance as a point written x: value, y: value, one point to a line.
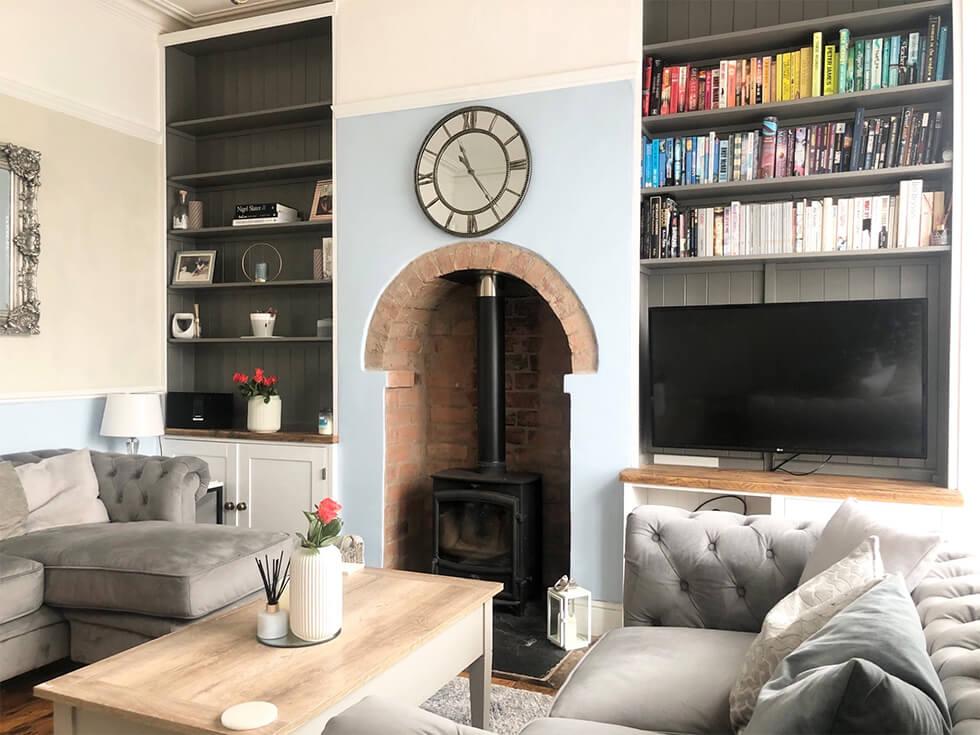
x: 472, y: 171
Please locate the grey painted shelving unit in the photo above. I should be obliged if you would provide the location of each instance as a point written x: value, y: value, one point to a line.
x: 705, y: 31
x: 249, y: 119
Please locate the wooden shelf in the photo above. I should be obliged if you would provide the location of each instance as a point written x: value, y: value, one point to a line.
x: 301, y: 169
x: 312, y: 112
x: 249, y: 284
x: 301, y: 437
x: 241, y: 341
x: 653, y: 264
x: 249, y: 231
x: 684, y: 122
x: 791, y: 186
x: 797, y: 34
x: 756, y: 482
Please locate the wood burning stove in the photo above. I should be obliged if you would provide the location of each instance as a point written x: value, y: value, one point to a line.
x: 486, y: 520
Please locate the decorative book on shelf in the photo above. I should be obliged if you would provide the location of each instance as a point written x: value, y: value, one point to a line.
x: 909, y: 219
x: 813, y: 70
x: 909, y: 138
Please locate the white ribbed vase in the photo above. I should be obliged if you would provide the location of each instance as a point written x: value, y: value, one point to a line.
x: 264, y: 418
x: 316, y: 593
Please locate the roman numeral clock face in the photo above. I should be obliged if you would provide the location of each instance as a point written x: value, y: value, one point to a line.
x: 472, y: 171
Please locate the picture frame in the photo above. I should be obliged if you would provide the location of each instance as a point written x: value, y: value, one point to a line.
x: 322, y: 206
x: 194, y: 267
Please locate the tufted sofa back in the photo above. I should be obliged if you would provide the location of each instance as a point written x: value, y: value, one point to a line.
x: 710, y: 569
x: 140, y: 488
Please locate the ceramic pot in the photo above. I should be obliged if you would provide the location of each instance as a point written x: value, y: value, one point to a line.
x: 264, y: 418
x: 263, y: 324
x: 316, y: 593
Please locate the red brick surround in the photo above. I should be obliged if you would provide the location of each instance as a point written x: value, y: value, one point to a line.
x: 423, y: 333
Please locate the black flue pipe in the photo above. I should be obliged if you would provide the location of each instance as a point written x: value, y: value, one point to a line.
x: 490, y: 373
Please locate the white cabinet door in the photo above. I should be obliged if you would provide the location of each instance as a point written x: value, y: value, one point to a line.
x: 277, y: 482
x: 222, y: 459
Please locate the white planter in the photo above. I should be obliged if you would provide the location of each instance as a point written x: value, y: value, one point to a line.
x: 263, y: 324
x: 316, y: 593
x: 264, y: 418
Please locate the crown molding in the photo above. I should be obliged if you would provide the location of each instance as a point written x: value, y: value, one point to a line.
x: 148, y: 13
x: 173, y: 10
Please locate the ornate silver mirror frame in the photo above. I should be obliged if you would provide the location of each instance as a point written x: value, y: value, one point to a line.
x: 22, y: 314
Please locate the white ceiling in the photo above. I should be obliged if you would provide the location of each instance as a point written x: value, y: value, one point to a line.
x: 197, y: 12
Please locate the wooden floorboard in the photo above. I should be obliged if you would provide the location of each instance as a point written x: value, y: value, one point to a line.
x: 21, y: 713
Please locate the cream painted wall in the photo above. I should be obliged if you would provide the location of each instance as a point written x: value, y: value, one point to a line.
x: 388, y: 49
x: 101, y: 270
x: 97, y: 59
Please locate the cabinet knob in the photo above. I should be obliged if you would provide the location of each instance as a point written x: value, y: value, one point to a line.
x: 229, y: 505
x: 242, y: 506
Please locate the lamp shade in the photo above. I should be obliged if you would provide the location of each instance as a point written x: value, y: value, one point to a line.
x: 132, y: 415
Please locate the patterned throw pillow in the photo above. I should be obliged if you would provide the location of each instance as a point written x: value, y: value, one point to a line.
x: 798, y: 616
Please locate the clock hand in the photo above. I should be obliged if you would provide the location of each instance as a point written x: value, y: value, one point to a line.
x: 464, y: 159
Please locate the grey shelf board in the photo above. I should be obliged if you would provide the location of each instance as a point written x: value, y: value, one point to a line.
x: 247, y: 231
x: 300, y: 169
x: 786, y: 35
x: 654, y: 264
x: 249, y: 284
x: 241, y: 341
x: 791, y: 185
x: 312, y: 112
x: 910, y: 94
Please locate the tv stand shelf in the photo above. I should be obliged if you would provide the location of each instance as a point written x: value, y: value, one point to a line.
x: 756, y: 482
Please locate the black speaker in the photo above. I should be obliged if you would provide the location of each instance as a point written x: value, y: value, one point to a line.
x: 199, y: 410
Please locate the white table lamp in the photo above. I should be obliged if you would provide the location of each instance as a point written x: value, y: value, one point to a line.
x: 132, y: 415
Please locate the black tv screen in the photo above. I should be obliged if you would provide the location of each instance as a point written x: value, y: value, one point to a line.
x: 832, y: 377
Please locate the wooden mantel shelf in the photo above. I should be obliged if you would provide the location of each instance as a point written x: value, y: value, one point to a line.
x: 298, y: 437
x: 755, y: 482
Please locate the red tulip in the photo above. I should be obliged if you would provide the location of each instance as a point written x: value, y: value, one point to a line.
x: 327, y: 510
x: 259, y: 373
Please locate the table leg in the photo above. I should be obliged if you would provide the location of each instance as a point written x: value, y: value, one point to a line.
x: 480, y: 672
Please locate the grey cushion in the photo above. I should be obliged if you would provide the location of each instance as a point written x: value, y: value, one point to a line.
x: 669, y: 679
x: 41, y: 618
x: 710, y: 569
x: 376, y: 715
x: 32, y: 641
x: 154, y: 567
x: 21, y: 587
x: 139, y: 488
x: 13, y: 502
x: 948, y: 602
x: 865, y: 671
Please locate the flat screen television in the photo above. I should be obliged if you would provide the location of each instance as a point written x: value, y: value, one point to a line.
x: 831, y: 377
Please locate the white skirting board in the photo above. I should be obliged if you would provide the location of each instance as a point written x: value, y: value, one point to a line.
x: 606, y: 616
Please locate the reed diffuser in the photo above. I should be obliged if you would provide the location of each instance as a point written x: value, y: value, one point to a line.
x: 273, y: 622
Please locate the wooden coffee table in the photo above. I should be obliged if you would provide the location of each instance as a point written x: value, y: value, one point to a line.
x: 405, y: 635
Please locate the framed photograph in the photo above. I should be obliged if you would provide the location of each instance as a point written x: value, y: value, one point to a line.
x: 194, y: 266
x: 322, y: 207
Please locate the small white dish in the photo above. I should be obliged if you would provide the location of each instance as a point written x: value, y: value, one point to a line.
x: 249, y: 715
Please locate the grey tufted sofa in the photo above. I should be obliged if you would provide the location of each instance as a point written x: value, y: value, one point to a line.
x: 697, y: 587
x: 95, y: 589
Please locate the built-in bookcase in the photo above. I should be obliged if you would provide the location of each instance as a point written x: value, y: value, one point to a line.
x: 702, y: 33
x: 249, y: 119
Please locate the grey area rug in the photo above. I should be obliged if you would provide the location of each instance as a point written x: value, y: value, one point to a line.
x: 510, y: 709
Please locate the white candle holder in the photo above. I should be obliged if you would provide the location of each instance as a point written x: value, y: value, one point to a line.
x: 569, y: 615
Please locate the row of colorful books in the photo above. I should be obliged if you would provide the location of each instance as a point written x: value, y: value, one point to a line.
x: 907, y: 139
x: 908, y: 219
x: 850, y: 65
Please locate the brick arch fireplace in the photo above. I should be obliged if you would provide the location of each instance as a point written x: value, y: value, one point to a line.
x: 424, y: 333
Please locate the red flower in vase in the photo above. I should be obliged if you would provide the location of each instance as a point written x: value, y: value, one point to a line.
x: 327, y: 510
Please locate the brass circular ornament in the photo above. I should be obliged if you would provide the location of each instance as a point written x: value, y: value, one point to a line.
x: 472, y: 171
x: 245, y: 263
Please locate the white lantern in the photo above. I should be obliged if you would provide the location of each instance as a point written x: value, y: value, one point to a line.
x: 569, y: 615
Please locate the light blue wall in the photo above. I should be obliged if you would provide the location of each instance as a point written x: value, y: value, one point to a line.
x: 578, y: 216
x: 71, y: 423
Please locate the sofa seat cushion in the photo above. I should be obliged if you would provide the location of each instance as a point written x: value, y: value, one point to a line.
x: 660, y: 679
x: 21, y: 587
x: 157, y: 568
x: 561, y: 726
